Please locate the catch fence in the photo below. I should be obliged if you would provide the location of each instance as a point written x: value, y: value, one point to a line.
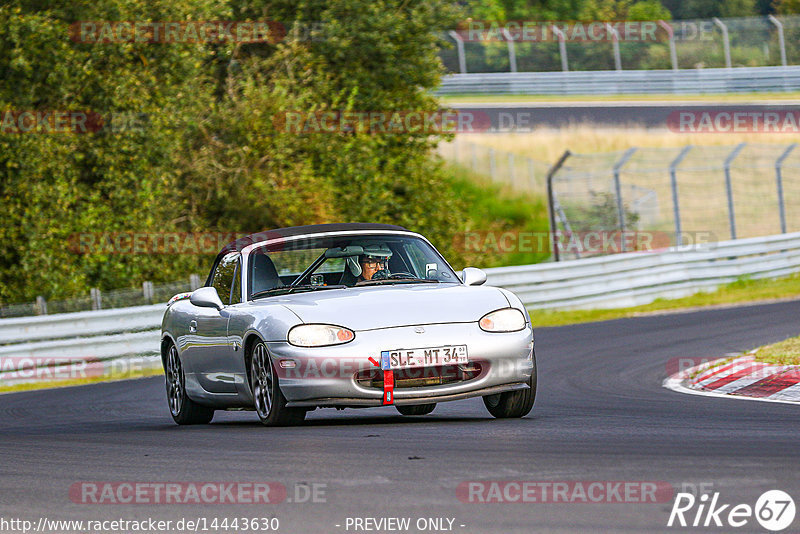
x: 674, y: 196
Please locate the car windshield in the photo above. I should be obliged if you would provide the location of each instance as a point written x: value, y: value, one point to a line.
x: 344, y: 262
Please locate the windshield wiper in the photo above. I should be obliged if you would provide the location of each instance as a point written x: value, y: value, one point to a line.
x: 291, y: 289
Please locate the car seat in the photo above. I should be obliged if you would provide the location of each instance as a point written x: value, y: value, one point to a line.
x: 265, y: 275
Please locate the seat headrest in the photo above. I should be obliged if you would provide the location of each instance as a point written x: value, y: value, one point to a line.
x: 265, y: 275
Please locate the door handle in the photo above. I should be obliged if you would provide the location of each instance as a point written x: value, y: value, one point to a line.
x: 193, y: 327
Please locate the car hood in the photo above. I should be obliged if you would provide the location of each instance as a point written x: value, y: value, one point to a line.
x: 367, y: 308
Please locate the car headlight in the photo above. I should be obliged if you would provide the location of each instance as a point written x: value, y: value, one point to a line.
x: 505, y: 320
x: 319, y: 335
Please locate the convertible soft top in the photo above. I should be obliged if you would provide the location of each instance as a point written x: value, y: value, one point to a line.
x: 310, y: 229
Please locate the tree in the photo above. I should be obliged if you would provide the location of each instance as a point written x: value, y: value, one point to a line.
x: 213, y: 157
x: 787, y: 7
x: 567, y: 10
x: 54, y: 186
x: 704, y: 9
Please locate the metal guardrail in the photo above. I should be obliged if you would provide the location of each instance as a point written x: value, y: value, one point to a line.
x: 81, y: 324
x: 83, y: 348
x: 725, y: 80
x: 633, y: 279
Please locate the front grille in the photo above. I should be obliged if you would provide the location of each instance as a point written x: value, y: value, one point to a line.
x: 421, y: 377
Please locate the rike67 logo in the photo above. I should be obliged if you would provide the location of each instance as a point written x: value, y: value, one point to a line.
x: 774, y: 510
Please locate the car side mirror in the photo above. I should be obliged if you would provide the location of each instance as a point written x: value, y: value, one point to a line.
x: 473, y: 277
x: 206, y: 297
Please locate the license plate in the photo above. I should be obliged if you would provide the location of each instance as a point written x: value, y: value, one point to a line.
x: 424, y: 357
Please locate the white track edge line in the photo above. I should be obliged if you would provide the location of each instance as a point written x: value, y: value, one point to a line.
x: 675, y: 384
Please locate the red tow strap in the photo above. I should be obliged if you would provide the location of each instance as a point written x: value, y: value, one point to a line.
x: 388, y: 387
x: 388, y: 379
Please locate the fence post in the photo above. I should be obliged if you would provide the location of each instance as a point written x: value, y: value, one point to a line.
x: 492, y: 165
x: 673, y: 52
x: 618, y: 187
x: 148, y: 292
x: 729, y: 187
x: 41, y: 306
x: 194, y: 281
x: 726, y: 42
x: 97, y: 299
x: 781, y: 41
x: 512, y: 52
x: 551, y: 201
x: 615, y: 45
x: 779, y: 180
x: 562, y: 48
x: 675, y: 204
x: 462, y: 59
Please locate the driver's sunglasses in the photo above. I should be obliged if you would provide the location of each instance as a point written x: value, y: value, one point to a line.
x: 374, y: 263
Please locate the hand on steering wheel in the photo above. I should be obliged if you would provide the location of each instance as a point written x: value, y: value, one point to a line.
x: 382, y: 274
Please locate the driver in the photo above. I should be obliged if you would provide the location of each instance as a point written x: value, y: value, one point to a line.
x: 374, y: 260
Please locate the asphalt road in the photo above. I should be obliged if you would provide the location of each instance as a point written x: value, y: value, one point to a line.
x: 601, y: 414
x: 525, y: 116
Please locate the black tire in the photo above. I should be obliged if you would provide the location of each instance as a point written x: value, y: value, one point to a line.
x: 417, y: 409
x: 184, y: 410
x: 269, y: 402
x: 513, y: 404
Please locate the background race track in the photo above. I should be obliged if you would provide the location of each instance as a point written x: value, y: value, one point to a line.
x: 601, y: 414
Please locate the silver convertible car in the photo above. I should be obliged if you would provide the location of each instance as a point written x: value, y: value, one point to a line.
x: 346, y: 316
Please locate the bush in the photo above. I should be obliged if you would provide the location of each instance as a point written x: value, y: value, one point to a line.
x: 212, y: 156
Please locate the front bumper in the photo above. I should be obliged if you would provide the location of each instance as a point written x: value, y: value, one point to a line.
x: 326, y: 376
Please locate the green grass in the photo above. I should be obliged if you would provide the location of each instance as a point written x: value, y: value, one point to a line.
x: 736, y: 97
x: 496, y: 210
x: 786, y: 352
x: 47, y: 384
x: 741, y: 291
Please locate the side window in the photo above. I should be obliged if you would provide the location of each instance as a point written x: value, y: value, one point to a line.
x: 224, y: 275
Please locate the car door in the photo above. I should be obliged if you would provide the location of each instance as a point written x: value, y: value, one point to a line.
x: 214, y: 354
